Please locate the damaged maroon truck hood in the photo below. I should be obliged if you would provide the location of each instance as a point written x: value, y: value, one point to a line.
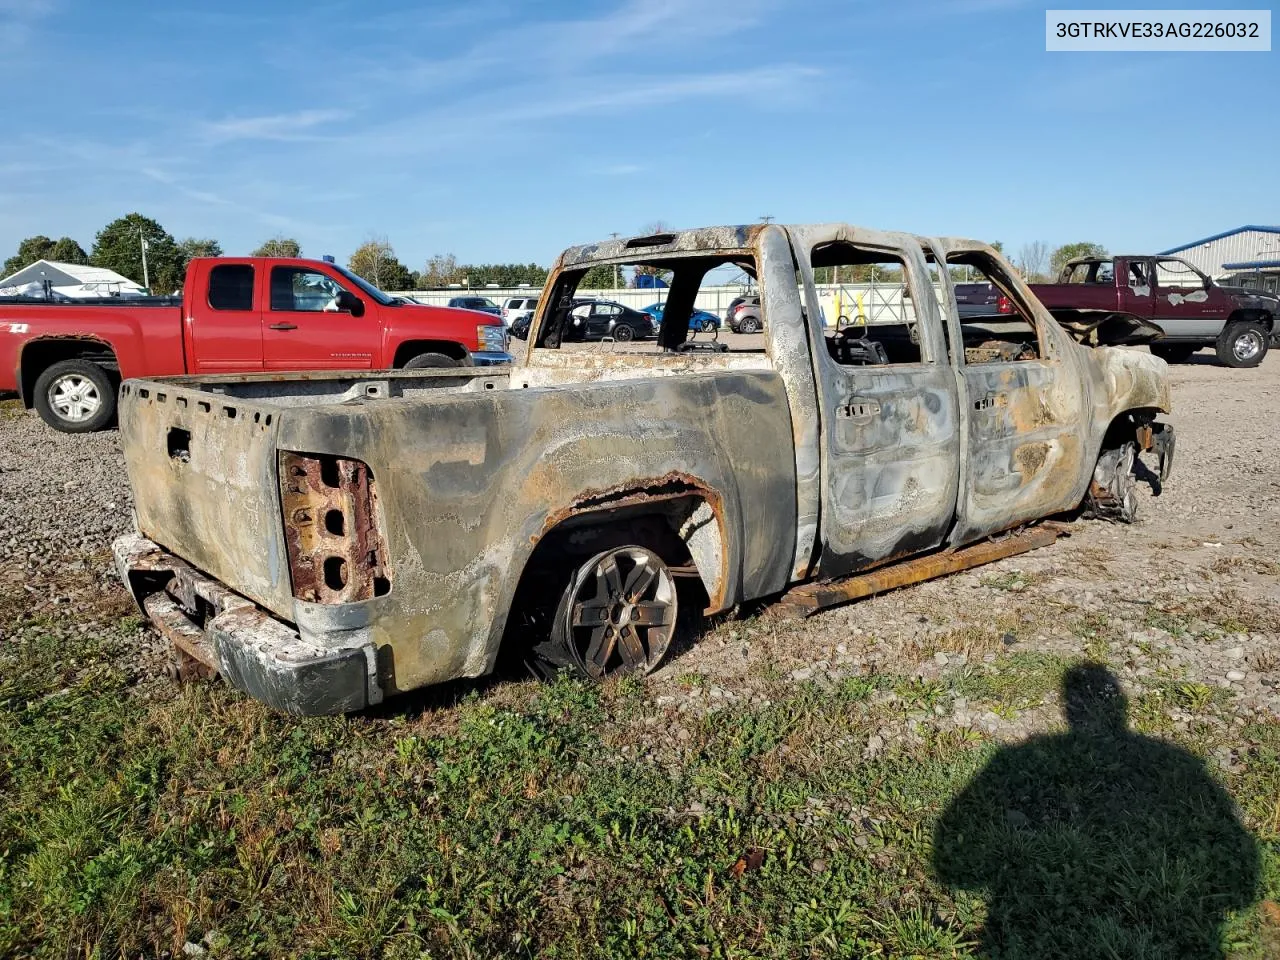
x: 1106, y: 328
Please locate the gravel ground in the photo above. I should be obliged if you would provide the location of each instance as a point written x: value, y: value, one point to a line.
x: 1190, y: 594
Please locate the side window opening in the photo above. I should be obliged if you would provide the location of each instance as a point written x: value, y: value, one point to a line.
x: 1137, y: 274
x: 683, y: 304
x: 1176, y: 275
x: 1005, y: 331
x: 231, y: 287
x: 302, y: 290
x: 875, y: 320
x: 1090, y: 271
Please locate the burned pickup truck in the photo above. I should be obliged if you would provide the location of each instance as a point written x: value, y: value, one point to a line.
x: 326, y: 541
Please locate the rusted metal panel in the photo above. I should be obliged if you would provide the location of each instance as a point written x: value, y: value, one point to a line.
x: 891, y: 433
x: 469, y: 488
x: 336, y: 553
x: 203, y: 472
x: 1035, y: 427
x: 811, y: 598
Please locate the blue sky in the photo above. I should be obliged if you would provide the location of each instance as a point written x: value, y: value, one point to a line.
x: 507, y: 131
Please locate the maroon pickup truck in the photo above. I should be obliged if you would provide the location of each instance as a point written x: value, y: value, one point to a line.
x: 1190, y: 308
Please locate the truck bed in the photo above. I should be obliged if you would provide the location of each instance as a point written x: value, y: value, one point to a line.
x: 202, y: 451
x: 260, y: 391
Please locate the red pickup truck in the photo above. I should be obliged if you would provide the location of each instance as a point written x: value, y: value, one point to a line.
x: 1191, y: 309
x: 235, y: 315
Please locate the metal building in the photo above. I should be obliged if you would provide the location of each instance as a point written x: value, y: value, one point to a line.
x: 1247, y: 244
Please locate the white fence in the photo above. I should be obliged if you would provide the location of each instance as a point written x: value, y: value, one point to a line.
x: 865, y: 302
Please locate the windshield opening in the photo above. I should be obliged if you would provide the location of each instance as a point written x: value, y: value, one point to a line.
x: 366, y: 286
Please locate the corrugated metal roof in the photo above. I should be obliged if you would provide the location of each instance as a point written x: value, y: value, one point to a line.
x: 1234, y: 246
x: 1219, y: 236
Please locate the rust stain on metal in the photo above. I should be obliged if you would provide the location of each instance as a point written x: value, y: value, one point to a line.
x: 808, y: 599
x: 674, y: 485
x: 1030, y: 457
x: 336, y: 553
x: 670, y: 486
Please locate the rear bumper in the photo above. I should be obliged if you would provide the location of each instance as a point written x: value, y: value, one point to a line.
x: 267, y: 659
x: 491, y: 358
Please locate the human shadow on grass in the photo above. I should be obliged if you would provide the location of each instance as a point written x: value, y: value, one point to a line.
x: 1098, y: 842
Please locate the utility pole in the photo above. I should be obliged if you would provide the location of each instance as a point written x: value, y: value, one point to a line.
x: 767, y: 218
x: 146, y: 277
x: 615, y: 236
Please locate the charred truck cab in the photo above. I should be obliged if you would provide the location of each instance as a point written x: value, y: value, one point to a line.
x: 324, y: 542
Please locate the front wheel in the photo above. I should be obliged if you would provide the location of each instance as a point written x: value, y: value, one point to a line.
x: 1243, y: 344
x: 430, y: 360
x: 75, y: 396
x: 1113, y: 492
x: 617, y: 614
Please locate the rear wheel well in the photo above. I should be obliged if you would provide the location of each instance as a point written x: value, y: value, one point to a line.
x: 39, y: 355
x: 407, y: 351
x: 683, y: 530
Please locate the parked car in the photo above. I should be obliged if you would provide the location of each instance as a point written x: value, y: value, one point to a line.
x: 702, y: 320
x: 482, y: 304
x: 1190, y: 308
x: 236, y: 315
x: 513, y: 308
x: 347, y: 551
x: 604, y: 319
x: 976, y: 299
x: 744, y: 315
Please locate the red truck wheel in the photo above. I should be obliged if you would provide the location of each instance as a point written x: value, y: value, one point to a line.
x: 75, y: 396
x: 430, y: 360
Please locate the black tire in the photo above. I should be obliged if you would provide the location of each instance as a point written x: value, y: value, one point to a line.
x: 623, y: 333
x: 1243, y: 344
x: 1173, y: 353
x: 707, y: 326
x: 625, y: 607
x: 748, y: 325
x: 58, y: 386
x: 430, y: 360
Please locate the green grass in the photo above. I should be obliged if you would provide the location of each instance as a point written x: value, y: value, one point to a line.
x: 566, y: 820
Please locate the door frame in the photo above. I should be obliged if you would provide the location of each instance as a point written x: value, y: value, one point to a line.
x: 884, y: 541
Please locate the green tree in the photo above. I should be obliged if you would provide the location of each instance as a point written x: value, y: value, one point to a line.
x: 118, y: 247
x: 503, y: 274
x: 279, y: 247
x: 602, y: 277
x: 193, y: 247
x: 67, y: 250
x: 1070, y: 251
x: 29, y: 251
x: 375, y: 260
x: 440, y: 271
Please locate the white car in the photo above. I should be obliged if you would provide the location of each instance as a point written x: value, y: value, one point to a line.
x: 513, y: 308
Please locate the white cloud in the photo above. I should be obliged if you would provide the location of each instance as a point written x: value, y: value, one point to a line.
x: 281, y: 126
